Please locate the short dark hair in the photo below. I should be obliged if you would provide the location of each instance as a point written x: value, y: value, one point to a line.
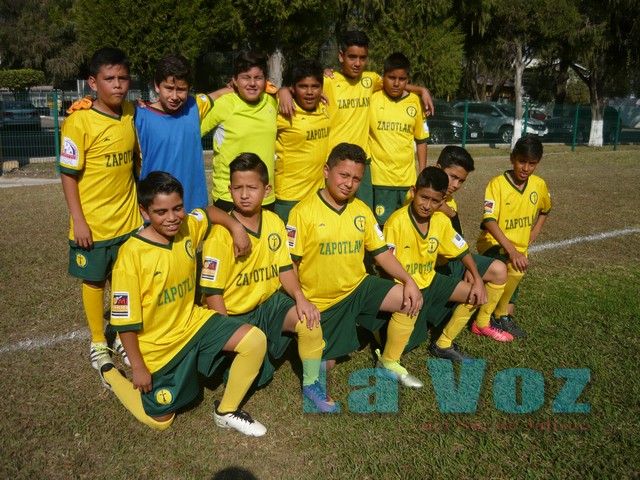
x: 435, y: 178
x: 347, y: 151
x: 397, y: 61
x: 354, y: 38
x: 249, y: 162
x: 528, y: 146
x: 155, y: 183
x: 245, y: 60
x: 307, y: 67
x: 173, y: 65
x: 108, y: 56
x: 454, y: 155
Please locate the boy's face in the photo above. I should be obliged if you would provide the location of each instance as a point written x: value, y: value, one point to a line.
x: 523, y: 167
x: 165, y: 214
x: 172, y: 94
x: 343, y: 179
x: 111, y: 84
x: 248, y: 192
x: 353, y: 60
x: 250, y: 84
x: 307, y: 92
x: 425, y: 202
x: 395, y: 82
x: 457, y: 176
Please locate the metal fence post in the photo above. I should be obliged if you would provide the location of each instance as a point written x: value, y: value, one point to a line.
x: 617, y: 137
x: 464, y: 123
x: 575, y: 129
x: 526, y: 119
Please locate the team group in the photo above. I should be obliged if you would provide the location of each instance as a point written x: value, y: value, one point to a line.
x: 308, y: 194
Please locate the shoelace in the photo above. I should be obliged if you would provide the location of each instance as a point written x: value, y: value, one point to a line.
x: 244, y: 416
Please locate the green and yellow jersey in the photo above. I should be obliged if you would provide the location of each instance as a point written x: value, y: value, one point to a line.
x: 395, y: 125
x: 240, y: 127
x: 99, y: 150
x: 417, y: 252
x: 301, y: 152
x: 514, y: 210
x: 153, y: 292
x: 245, y: 282
x: 330, y: 246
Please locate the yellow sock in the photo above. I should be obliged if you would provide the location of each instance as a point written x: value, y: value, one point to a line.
x: 132, y: 400
x: 459, y: 319
x: 310, y: 347
x: 244, y: 369
x: 398, y: 334
x: 513, y: 279
x: 93, y: 301
x: 494, y: 293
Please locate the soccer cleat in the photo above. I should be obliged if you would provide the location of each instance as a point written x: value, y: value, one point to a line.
x: 318, y: 395
x: 453, y: 352
x: 493, y: 332
x: 397, y: 371
x: 506, y: 323
x: 238, y: 420
x: 119, y: 349
x: 104, y: 365
x: 97, y: 351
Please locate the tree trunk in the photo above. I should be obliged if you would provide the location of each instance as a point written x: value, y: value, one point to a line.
x: 595, y: 136
x: 276, y: 67
x: 519, y: 64
x: 561, y: 88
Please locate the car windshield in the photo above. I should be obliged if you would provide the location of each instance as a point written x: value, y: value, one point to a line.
x: 18, y: 106
x: 508, y: 110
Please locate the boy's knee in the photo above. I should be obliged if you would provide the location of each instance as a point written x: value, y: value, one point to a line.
x: 499, y: 272
x: 254, y: 341
x: 161, y: 423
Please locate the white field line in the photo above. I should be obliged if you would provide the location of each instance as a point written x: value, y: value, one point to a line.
x: 83, y: 334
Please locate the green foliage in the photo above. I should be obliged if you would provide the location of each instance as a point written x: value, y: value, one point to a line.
x: 21, y: 80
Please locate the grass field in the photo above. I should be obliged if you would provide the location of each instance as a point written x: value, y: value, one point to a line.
x: 579, y: 304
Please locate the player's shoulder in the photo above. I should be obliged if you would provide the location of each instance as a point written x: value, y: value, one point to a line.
x: 537, y: 180
x: 271, y: 218
x: 398, y: 217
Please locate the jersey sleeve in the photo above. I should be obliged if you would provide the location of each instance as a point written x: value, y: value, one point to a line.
x: 374, y: 238
x: 199, y: 225
x: 217, y: 261
x: 452, y: 244
x: 545, y: 199
x: 391, y: 235
x: 220, y: 111
x: 204, y: 104
x: 420, y: 130
x: 126, y: 301
x: 377, y: 82
x: 295, y: 234
x: 491, y: 202
x: 74, y: 145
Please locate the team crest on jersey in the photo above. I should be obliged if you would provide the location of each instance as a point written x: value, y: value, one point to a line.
x: 392, y: 248
x: 458, y: 241
x: 164, y: 396
x: 120, y: 305
x: 359, y: 222
x: 69, y: 153
x: 412, y: 111
x: 209, y: 268
x: 379, y: 210
x: 366, y: 82
x: 533, y: 198
x: 188, y: 247
x: 81, y: 260
x: 433, y: 245
x: 292, y: 233
x: 488, y: 206
x: 274, y: 242
x: 324, y: 111
x: 197, y: 214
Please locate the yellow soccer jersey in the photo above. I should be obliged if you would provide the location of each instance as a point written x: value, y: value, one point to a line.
x: 99, y: 150
x: 240, y: 127
x: 349, y: 103
x: 301, y: 152
x: 330, y: 246
x: 153, y: 291
x: 395, y: 125
x: 245, y: 282
x: 514, y: 210
x: 418, y: 253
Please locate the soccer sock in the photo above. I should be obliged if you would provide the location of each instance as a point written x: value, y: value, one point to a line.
x: 93, y: 301
x: 494, y: 292
x: 310, y: 346
x: 513, y: 279
x: 244, y: 369
x: 459, y: 319
x: 131, y: 398
x: 398, y: 334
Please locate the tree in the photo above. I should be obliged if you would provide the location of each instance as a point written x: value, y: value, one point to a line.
x: 20, y: 81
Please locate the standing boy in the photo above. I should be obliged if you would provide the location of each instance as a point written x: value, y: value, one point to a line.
x: 396, y: 135
x: 302, y: 141
x: 170, y: 340
x: 328, y: 234
x: 97, y: 172
x: 249, y: 285
x: 516, y: 205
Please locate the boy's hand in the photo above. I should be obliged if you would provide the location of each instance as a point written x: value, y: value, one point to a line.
x: 286, y: 103
x: 141, y: 379
x: 519, y: 261
x: 241, y: 241
x: 477, y: 294
x: 82, y: 236
x: 412, y: 298
x: 428, y: 102
x: 306, y: 309
x: 328, y: 72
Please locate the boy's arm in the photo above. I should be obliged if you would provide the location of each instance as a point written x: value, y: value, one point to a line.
x: 81, y: 230
x: 216, y: 302
x: 220, y: 92
x: 287, y: 106
x: 421, y: 152
x: 423, y: 93
x: 141, y: 378
x: 412, y: 295
x: 241, y: 241
x: 535, y: 231
x: 517, y: 259
x: 304, y: 308
x: 478, y: 292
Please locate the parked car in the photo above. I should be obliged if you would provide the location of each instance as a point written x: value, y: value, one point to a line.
x: 561, y: 127
x: 446, y: 125
x: 496, y: 119
x: 19, y: 114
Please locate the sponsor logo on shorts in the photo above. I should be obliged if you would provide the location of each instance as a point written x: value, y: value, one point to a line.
x: 379, y: 210
x: 274, y: 242
x: 292, y: 233
x: 164, y: 396
x: 488, y: 206
x: 120, y: 305
x: 81, y: 260
x: 69, y: 154
x: 209, y: 268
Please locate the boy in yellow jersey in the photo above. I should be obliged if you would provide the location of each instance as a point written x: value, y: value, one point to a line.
x: 249, y: 286
x: 516, y: 205
x: 170, y: 340
x: 397, y: 135
x: 302, y: 141
x: 328, y: 234
x: 243, y: 121
x: 97, y: 171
